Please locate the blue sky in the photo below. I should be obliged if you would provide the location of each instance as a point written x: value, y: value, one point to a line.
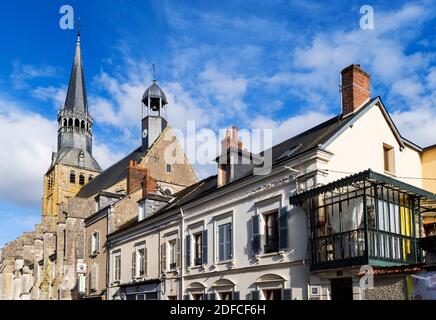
x: 255, y: 64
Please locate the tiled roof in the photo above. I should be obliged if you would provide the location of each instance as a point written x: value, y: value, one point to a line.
x: 381, y: 271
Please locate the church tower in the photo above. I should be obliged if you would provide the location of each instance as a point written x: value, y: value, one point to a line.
x: 154, y: 120
x: 73, y: 164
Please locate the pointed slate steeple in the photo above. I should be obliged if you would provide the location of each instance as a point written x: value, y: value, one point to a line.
x: 76, y: 100
x: 75, y: 122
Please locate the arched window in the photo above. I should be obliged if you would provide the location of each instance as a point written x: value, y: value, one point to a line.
x: 82, y: 179
x: 91, y: 177
x: 77, y: 123
x: 70, y: 122
x: 65, y: 122
x: 72, y: 177
x: 82, y: 125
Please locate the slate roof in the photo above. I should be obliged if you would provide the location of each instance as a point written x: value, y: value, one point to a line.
x: 70, y: 157
x: 76, y: 100
x: 111, y: 175
x: 288, y: 149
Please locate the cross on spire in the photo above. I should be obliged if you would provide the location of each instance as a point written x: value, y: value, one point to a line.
x: 78, y: 27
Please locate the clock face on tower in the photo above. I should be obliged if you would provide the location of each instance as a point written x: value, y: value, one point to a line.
x: 144, y: 133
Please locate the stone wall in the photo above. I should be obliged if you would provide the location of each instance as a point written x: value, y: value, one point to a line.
x: 387, y: 288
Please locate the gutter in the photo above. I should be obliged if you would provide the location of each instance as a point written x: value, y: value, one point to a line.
x: 182, y: 249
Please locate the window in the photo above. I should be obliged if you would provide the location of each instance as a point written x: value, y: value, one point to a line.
x: 173, y: 254
x: 169, y: 168
x: 117, y: 267
x: 91, y: 177
x: 198, y: 246
x: 95, y: 243
x: 72, y: 177
x: 389, y: 158
x: 172, y: 298
x: 197, y: 296
x: 141, y: 261
x: 272, y: 294
x: 225, y: 242
x: 94, y: 277
x: 225, y: 295
x: 271, y: 232
x: 82, y: 179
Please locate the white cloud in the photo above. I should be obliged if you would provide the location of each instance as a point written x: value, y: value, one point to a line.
x: 21, y: 73
x: 51, y: 94
x: 27, y: 141
x: 291, y: 126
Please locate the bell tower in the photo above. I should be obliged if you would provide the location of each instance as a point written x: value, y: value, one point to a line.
x: 154, y: 120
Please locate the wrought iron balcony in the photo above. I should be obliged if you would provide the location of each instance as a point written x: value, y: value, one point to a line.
x: 364, y: 219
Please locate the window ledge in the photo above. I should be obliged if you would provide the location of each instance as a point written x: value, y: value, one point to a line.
x: 271, y: 254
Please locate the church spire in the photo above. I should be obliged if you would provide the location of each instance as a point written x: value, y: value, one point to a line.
x: 76, y: 100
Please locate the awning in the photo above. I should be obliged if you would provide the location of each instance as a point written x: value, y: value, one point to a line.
x: 367, y: 175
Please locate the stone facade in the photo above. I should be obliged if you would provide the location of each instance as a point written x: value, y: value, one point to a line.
x: 387, y: 288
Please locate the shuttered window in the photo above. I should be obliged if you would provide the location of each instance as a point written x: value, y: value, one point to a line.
x: 225, y: 242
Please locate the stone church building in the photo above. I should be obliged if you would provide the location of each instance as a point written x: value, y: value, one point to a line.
x: 45, y: 263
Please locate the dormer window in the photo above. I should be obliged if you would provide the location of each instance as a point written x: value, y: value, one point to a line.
x: 169, y: 168
x: 141, y: 212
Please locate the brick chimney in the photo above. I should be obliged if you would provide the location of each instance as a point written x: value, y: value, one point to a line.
x: 149, y: 185
x: 355, y: 88
x: 135, y: 176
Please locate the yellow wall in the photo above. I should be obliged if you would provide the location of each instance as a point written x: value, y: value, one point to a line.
x: 61, y: 189
x: 428, y: 158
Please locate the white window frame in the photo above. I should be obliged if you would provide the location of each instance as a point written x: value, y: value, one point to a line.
x: 95, y: 243
x: 174, y: 254
x: 115, y: 255
x: 265, y: 207
x: 138, y: 247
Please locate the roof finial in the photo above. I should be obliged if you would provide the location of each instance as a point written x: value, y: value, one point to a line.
x: 78, y: 29
x: 154, y: 72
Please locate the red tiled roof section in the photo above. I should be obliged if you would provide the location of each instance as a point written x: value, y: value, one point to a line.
x: 382, y: 271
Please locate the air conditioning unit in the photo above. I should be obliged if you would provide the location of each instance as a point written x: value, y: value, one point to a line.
x: 314, y: 292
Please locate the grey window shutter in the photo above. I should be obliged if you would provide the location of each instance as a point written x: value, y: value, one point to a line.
x: 186, y: 297
x: 221, y: 248
x: 212, y: 296
x: 236, y: 295
x: 145, y: 261
x: 179, y: 252
x: 163, y: 254
x: 133, y: 264
x: 255, y: 243
x: 287, y: 294
x: 205, y: 296
x: 97, y: 242
x: 255, y: 295
x: 90, y: 246
x: 229, y: 252
x: 188, y: 250
x: 204, y: 253
x: 283, y: 229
